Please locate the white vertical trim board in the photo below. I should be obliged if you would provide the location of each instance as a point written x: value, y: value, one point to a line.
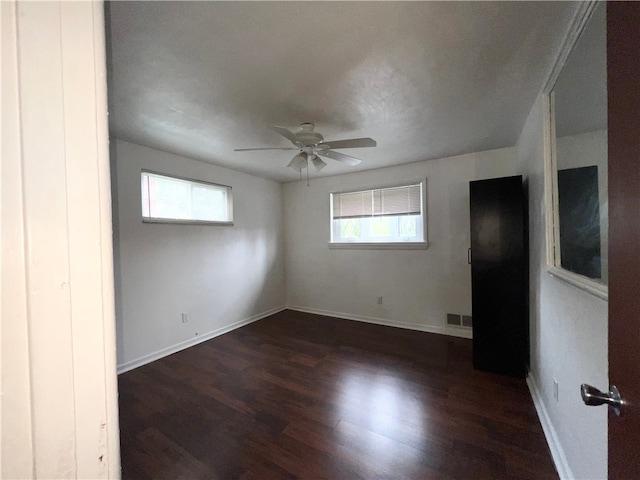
x: 47, y: 239
x: 557, y: 453
x: 81, y: 110
x: 106, y: 239
x: 16, y: 441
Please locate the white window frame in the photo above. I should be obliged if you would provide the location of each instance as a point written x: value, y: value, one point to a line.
x: 400, y: 245
x: 187, y: 221
x: 552, y: 227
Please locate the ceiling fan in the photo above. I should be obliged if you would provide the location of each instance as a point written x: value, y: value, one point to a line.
x: 311, y: 146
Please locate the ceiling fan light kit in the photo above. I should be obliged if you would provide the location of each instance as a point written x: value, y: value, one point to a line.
x: 317, y: 163
x: 311, y: 144
x: 298, y: 162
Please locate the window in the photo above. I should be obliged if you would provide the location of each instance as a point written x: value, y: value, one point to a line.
x: 379, y: 217
x: 176, y: 200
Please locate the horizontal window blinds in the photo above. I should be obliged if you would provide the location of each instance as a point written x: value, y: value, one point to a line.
x: 379, y: 202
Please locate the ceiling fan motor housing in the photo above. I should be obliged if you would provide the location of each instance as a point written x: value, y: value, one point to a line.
x: 307, y: 136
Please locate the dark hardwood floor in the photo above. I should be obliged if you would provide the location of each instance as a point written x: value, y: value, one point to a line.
x: 305, y: 396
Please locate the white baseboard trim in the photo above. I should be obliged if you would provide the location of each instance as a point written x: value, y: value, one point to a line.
x: 462, y: 332
x: 559, y: 458
x: 138, y: 362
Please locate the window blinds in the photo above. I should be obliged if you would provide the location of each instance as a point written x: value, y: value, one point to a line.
x: 379, y: 202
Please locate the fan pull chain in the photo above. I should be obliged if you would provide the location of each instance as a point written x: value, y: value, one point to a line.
x: 307, y: 174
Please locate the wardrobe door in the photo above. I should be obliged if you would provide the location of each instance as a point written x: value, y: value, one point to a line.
x: 499, y: 276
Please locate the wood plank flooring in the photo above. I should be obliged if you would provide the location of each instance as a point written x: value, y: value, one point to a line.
x: 297, y: 395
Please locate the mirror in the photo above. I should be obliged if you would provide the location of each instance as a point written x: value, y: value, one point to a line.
x: 577, y: 158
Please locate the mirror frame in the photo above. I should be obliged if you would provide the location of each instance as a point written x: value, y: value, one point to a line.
x: 552, y: 232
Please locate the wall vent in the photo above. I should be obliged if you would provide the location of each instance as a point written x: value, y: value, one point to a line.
x: 453, y: 319
x: 467, y: 321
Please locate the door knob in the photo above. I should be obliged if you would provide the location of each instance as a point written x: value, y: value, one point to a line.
x: 592, y: 396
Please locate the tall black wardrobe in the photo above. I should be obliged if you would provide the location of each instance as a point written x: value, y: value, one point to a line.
x: 499, y: 275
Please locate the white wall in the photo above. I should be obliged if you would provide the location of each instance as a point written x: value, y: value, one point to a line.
x: 418, y: 286
x: 568, y: 334
x: 221, y: 276
x: 59, y: 397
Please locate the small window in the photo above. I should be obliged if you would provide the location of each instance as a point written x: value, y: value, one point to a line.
x: 380, y: 216
x: 168, y: 199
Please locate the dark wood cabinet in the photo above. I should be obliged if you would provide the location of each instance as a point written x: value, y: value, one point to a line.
x: 499, y: 275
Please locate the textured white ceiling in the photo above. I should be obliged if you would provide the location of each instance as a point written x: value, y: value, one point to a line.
x: 425, y: 79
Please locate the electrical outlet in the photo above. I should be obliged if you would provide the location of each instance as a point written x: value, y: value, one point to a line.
x: 555, y: 389
x: 379, y: 300
x: 185, y: 317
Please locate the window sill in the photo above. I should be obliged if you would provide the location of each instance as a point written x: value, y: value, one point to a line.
x: 583, y: 283
x: 186, y: 222
x: 379, y: 246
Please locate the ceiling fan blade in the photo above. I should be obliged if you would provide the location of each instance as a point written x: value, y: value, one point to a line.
x: 268, y: 148
x: 341, y: 157
x: 352, y: 143
x: 286, y: 133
